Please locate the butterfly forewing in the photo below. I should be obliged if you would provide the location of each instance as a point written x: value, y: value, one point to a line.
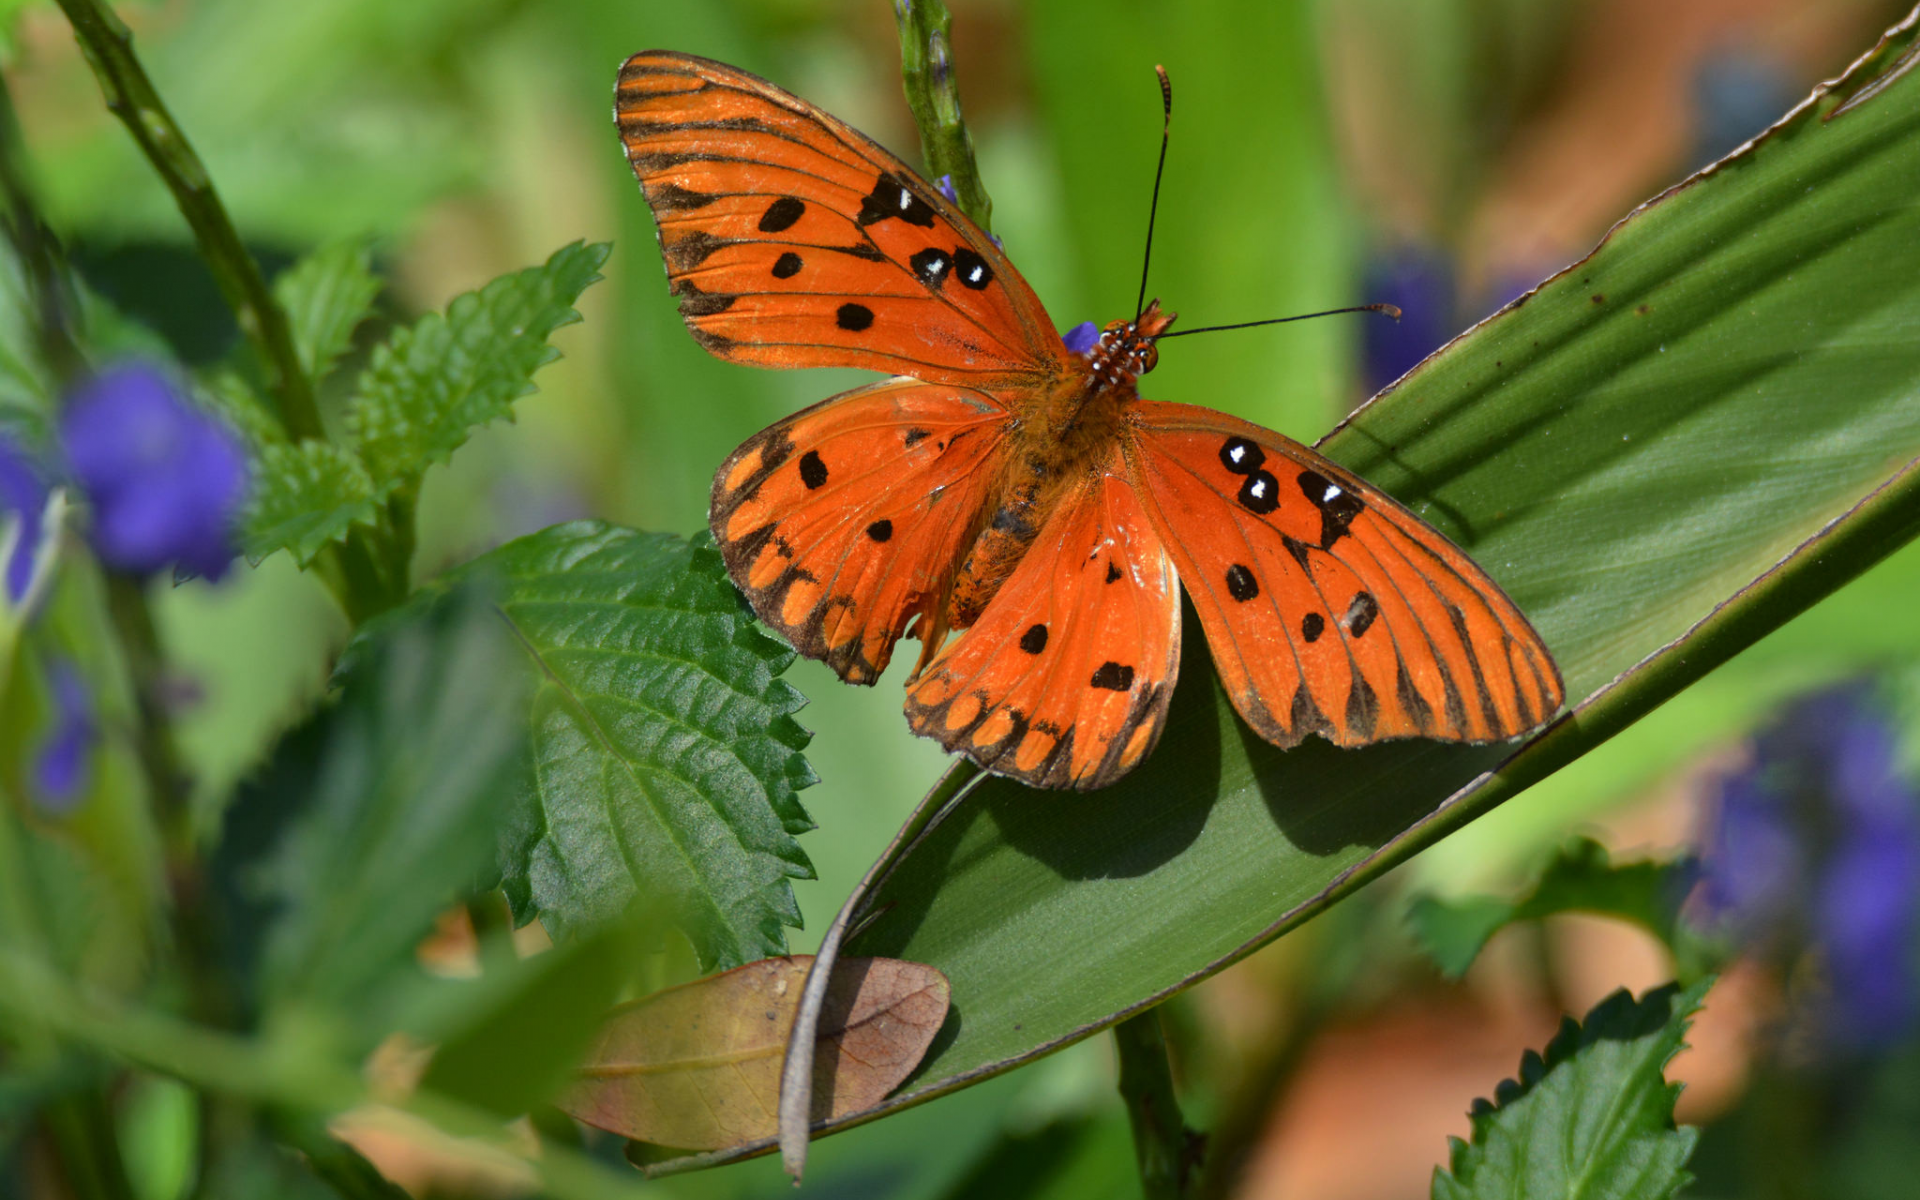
x: 842, y: 522
x: 792, y: 240
x: 1064, y: 681
x: 1330, y: 608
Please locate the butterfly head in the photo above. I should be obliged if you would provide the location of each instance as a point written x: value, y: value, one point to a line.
x: 1126, y: 349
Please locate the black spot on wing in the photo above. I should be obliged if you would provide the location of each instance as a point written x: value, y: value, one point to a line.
x: 671, y: 197
x: 689, y: 251
x: 1034, y: 640
x: 931, y: 266
x: 891, y: 199
x: 1363, y: 710
x: 1304, y: 716
x: 1113, y: 676
x: 880, y: 530
x: 1241, y: 456
x: 1338, y: 506
x: 1260, y: 494
x: 782, y: 214
x: 972, y: 269
x: 1241, y: 584
x: 813, y: 471
x: 787, y: 265
x: 1312, y: 626
x: 1362, y: 611
x: 1113, y: 571
x: 696, y: 303
x: 854, y: 317
x: 916, y: 435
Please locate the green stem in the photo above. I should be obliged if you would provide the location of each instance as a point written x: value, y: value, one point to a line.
x: 40, y: 256
x: 926, y: 68
x: 1167, y: 1152
x: 130, y: 95
x: 196, y: 939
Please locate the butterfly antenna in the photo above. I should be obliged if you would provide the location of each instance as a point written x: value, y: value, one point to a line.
x: 1389, y: 309
x: 1153, y: 210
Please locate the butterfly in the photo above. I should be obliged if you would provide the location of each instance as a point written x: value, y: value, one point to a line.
x: 1012, y: 501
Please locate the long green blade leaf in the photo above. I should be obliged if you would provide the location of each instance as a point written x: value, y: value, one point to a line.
x: 1662, y: 453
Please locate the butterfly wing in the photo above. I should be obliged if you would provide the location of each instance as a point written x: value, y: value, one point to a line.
x: 792, y: 240
x: 1064, y: 679
x: 845, y: 520
x: 1330, y: 608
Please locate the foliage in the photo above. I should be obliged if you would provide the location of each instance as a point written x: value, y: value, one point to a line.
x: 1689, y: 437
x: 1580, y: 878
x: 664, y: 758
x: 1590, y: 1117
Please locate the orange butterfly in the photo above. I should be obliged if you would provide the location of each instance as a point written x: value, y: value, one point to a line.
x: 1006, y: 486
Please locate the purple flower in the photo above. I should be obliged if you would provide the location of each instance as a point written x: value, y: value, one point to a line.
x: 1082, y: 338
x: 165, y: 480
x: 23, y: 497
x: 944, y: 185
x: 1816, y: 845
x: 61, y: 768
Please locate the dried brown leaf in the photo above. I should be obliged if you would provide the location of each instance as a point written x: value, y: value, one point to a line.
x: 697, y: 1067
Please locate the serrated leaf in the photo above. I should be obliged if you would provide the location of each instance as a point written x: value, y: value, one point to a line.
x: 1580, y: 878
x: 1592, y: 1118
x: 666, y: 762
x: 326, y: 295
x: 698, y: 1066
x: 376, y: 814
x: 304, y: 497
x: 435, y: 382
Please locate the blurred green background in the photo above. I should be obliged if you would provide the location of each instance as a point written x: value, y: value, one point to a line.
x: 1442, y: 154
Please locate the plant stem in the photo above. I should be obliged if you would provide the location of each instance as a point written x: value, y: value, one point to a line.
x: 108, y: 46
x: 1167, y: 1151
x: 40, y: 257
x: 926, y: 68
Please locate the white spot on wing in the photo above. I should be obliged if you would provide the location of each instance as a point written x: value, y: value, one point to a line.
x: 1332, y: 491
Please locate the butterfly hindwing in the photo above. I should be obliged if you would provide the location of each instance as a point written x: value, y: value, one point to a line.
x: 843, y: 521
x: 1330, y: 608
x: 1064, y: 680
x: 792, y: 240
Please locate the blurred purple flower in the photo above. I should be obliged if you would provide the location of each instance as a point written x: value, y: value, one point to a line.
x: 60, y: 769
x: 1082, y: 338
x: 1816, y: 843
x: 23, y: 496
x: 944, y: 185
x: 1420, y: 281
x: 165, y: 480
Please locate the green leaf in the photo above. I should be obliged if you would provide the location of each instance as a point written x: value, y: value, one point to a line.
x: 326, y: 295
x: 1664, y: 453
x: 376, y: 814
x: 1580, y: 878
x: 1592, y: 1118
x: 304, y: 497
x: 665, y: 758
x: 438, y: 380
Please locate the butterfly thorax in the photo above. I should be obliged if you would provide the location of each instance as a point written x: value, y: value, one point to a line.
x: 1073, y: 435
